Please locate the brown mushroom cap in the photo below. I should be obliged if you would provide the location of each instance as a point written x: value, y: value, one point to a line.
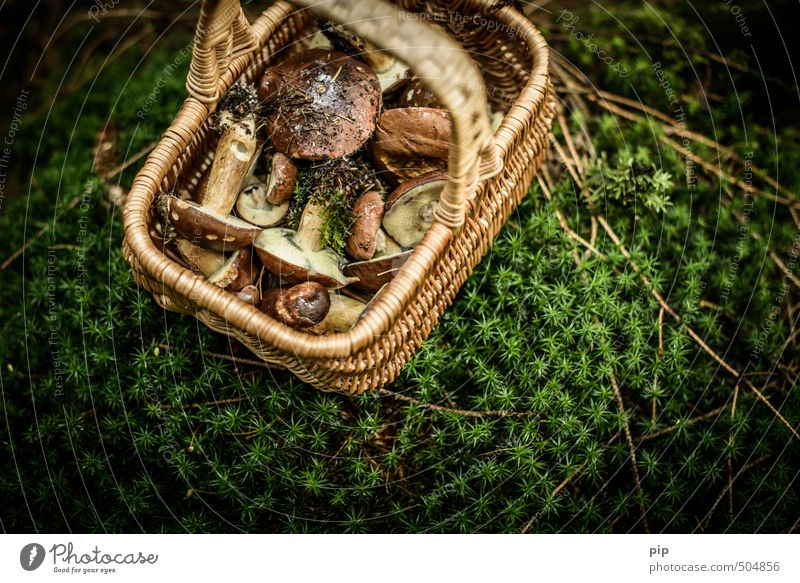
x: 368, y: 212
x: 239, y: 271
x: 301, y: 306
x: 411, y: 141
x: 232, y: 273
x: 324, y: 106
x: 208, y: 228
x: 282, y: 178
x: 268, y: 85
x: 417, y: 94
x: 249, y: 294
x: 374, y: 274
x: 409, y: 208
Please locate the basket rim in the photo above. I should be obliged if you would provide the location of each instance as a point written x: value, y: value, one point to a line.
x: 384, y: 312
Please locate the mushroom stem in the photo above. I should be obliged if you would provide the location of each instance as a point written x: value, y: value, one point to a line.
x: 309, y: 233
x: 282, y: 178
x: 368, y: 212
x: 235, y: 154
x: 232, y: 160
x: 380, y: 61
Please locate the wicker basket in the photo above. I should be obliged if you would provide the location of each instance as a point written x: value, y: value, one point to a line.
x: 488, y: 173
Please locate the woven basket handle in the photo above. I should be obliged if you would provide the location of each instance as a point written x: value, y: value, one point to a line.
x: 223, y: 33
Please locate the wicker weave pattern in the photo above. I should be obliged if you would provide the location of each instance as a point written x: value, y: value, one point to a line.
x: 223, y: 34
x: 489, y: 176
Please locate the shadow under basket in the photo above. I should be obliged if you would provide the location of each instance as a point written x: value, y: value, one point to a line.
x: 470, y: 54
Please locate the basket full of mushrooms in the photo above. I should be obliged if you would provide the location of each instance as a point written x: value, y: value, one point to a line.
x: 336, y: 174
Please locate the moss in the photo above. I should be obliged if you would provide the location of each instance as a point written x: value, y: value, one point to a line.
x: 334, y: 185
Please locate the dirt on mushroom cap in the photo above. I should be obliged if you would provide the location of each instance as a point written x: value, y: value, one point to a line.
x: 335, y: 185
x: 325, y: 106
x: 238, y: 102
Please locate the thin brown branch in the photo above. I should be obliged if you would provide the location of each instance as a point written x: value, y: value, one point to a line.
x: 569, y: 163
x: 129, y: 162
x: 631, y: 449
x: 704, y: 523
x: 716, y: 170
x: 562, y: 220
x: 691, y: 332
x: 782, y: 266
x: 462, y: 412
x: 647, y: 437
x: 570, y: 143
x: 659, y: 356
x: 673, y: 428
x: 730, y: 457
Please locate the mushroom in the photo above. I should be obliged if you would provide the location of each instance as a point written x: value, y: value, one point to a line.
x: 320, y: 104
x: 411, y: 141
x: 368, y: 212
x: 318, y: 40
x: 298, y: 256
x: 409, y: 208
x: 381, y: 268
x: 209, y: 223
x: 230, y: 273
x: 343, y: 314
x: 208, y: 229
x: 250, y: 294
x: 375, y: 273
x: 266, y: 204
x: 417, y: 94
x: 301, y: 306
x: 385, y: 245
x: 392, y: 72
